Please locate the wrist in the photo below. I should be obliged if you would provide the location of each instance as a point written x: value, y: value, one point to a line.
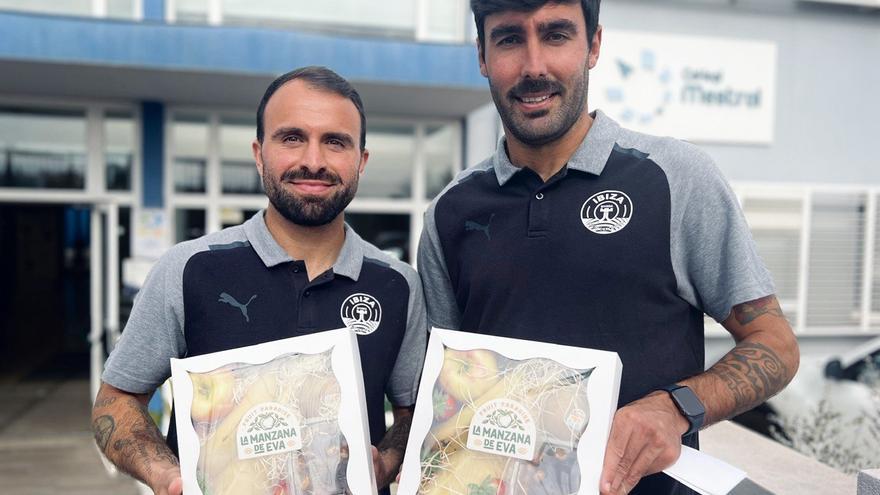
x: 688, y: 406
x: 681, y: 422
x: 163, y: 474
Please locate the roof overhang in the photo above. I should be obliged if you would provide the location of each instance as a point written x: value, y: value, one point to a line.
x: 226, y: 66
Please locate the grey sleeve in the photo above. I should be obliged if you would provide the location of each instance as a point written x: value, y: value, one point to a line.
x: 154, y: 333
x: 403, y: 385
x: 440, y: 298
x: 714, y: 257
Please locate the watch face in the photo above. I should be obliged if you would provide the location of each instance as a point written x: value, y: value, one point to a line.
x: 688, y: 401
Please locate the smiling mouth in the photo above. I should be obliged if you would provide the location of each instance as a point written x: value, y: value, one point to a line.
x: 312, y: 186
x: 534, y: 99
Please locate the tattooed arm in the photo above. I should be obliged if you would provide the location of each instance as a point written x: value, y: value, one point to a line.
x: 646, y: 434
x: 764, y: 360
x: 389, y: 456
x: 127, y: 435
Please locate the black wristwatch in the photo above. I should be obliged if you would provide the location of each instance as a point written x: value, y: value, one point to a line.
x: 689, y: 404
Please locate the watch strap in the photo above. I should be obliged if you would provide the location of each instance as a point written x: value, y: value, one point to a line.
x: 695, y: 420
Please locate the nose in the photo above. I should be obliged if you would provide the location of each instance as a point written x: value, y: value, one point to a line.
x: 313, y: 156
x: 534, y: 65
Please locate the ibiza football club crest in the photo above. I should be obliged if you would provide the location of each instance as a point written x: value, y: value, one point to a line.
x: 361, y: 313
x: 607, y: 212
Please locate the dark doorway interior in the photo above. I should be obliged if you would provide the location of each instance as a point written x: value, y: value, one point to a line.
x: 44, y: 294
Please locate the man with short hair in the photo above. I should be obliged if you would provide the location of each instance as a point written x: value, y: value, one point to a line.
x: 290, y: 270
x: 579, y: 232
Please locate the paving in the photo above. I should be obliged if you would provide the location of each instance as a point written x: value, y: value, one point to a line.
x: 46, y: 446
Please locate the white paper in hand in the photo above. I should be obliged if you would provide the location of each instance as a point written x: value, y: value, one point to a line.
x: 703, y: 473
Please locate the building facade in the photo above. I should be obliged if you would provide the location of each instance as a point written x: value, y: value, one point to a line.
x: 125, y: 126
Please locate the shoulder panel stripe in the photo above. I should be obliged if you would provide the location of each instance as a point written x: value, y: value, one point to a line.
x: 231, y: 245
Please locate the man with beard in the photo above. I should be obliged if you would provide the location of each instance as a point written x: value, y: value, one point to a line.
x: 579, y: 232
x: 293, y: 269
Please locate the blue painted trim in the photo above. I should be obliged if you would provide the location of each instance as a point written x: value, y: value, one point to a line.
x: 154, y: 10
x: 30, y: 37
x: 153, y: 142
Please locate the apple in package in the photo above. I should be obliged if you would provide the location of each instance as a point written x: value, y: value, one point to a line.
x: 269, y: 419
x: 500, y: 416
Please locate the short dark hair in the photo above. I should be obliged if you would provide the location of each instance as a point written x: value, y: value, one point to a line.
x: 320, y: 78
x: 484, y: 8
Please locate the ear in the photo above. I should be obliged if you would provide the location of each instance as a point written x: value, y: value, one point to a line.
x: 257, y: 149
x: 482, y: 59
x: 365, y: 156
x: 595, y: 46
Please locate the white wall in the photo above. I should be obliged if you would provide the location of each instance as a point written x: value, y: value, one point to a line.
x: 828, y: 86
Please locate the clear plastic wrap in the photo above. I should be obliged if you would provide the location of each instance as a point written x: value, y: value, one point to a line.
x: 503, y: 426
x: 270, y: 429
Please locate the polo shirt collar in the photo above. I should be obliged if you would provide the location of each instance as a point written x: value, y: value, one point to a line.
x: 590, y: 156
x: 348, y: 263
x: 351, y: 256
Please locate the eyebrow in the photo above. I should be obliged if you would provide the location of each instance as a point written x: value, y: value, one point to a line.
x: 283, y: 132
x: 558, y: 25
x: 347, y: 140
x: 503, y: 30
x: 287, y: 131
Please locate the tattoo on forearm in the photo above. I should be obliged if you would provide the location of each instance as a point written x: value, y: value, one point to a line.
x: 745, y: 313
x: 752, y: 372
x: 137, y: 445
x: 145, y: 445
x: 103, y: 427
x: 104, y: 402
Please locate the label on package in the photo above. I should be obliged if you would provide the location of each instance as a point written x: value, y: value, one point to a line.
x: 503, y: 427
x: 266, y: 429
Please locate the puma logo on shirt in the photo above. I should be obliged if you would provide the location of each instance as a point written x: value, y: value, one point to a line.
x: 226, y: 298
x: 471, y: 225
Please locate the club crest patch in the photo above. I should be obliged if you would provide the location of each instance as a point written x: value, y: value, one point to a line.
x: 361, y: 313
x: 606, y: 212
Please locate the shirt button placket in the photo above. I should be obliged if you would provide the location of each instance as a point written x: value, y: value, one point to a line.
x: 538, y: 215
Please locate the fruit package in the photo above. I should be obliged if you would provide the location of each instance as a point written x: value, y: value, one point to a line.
x: 266, y: 419
x: 499, y: 416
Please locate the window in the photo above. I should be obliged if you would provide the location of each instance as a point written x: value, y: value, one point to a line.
x: 440, y: 159
x: 425, y: 20
x: 238, y: 171
x: 120, y: 9
x: 836, y: 243
x: 69, y: 7
x: 389, y: 169
x: 820, y: 244
x: 390, y: 233
x: 119, y: 136
x: 190, y: 136
x: 188, y: 224
x: 43, y: 149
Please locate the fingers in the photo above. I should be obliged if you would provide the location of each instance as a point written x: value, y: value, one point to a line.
x: 615, y: 453
x: 641, y: 443
x: 176, y: 487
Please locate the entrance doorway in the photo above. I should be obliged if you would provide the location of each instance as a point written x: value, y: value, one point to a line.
x: 45, y: 294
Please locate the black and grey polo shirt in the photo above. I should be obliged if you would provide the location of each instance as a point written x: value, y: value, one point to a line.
x: 624, y: 249
x: 238, y: 287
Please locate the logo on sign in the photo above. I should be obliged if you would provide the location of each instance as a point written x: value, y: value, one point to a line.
x: 503, y: 427
x: 606, y: 212
x: 644, y: 90
x: 267, y: 429
x: 361, y: 313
